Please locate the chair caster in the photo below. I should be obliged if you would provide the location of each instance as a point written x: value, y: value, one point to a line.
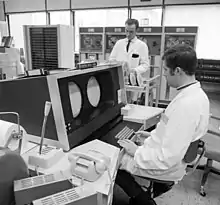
x: 202, y: 191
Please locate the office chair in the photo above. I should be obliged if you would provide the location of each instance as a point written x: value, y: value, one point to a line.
x: 212, y: 140
x: 193, y: 155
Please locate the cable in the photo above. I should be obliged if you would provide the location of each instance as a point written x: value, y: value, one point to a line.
x: 42, y: 134
x: 46, y: 113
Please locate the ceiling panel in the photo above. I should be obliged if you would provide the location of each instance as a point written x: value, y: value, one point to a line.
x: 58, y: 4
x: 146, y: 2
x: 85, y: 4
x: 190, y: 1
x: 24, y: 5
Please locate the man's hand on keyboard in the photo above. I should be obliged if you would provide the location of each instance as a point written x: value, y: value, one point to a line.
x: 129, y: 146
x: 144, y: 134
x: 141, y: 136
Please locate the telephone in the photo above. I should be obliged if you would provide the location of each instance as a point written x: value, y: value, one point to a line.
x: 89, y: 166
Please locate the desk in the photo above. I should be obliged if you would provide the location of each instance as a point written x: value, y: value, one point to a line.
x: 102, y: 185
x: 148, y: 116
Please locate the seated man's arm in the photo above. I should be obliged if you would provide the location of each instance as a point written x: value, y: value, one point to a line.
x: 175, y: 136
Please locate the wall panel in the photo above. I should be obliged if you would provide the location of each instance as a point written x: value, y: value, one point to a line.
x: 190, y: 1
x: 58, y: 4
x: 85, y: 4
x: 24, y: 5
x: 146, y: 3
x: 2, y: 15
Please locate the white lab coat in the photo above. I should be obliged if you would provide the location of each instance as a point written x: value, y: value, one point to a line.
x: 141, y: 65
x: 185, y: 120
x: 137, y: 46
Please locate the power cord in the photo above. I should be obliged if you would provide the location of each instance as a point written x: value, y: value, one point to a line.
x: 46, y: 113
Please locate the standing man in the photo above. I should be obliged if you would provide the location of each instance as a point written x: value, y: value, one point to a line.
x: 184, y: 121
x: 131, y: 51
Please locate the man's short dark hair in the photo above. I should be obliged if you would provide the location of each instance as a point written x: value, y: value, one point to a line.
x: 132, y: 22
x: 183, y: 56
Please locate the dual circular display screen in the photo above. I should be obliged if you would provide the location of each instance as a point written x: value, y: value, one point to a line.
x: 93, y: 94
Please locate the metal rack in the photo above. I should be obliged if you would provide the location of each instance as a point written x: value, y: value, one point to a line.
x: 150, y: 84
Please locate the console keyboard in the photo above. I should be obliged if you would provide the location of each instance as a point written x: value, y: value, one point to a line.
x: 125, y: 133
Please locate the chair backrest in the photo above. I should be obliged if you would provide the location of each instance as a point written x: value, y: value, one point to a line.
x: 192, y: 152
x: 196, y: 148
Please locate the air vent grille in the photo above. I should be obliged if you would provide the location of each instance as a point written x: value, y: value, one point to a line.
x: 49, y: 178
x: 61, y: 198
x: 37, y: 181
x: 47, y: 201
x: 26, y: 183
x: 44, y: 48
x: 71, y: 195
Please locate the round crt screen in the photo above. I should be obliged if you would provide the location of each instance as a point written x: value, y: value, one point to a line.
x: 93, y: 92
x: 75, y: 99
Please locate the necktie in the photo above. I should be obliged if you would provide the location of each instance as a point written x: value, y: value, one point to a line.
x: 127, y: 48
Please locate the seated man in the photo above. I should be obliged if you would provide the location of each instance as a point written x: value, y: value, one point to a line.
x: 12, y: 167
x: 185, y: 120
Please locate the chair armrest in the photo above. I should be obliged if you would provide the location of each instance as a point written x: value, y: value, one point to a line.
x: 214, y: 117
x: 213, y: 133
